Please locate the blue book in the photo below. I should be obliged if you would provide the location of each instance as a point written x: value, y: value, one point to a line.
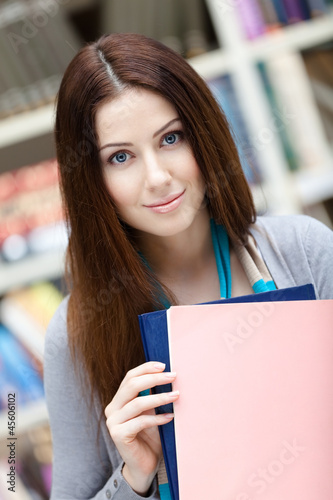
x: 225, y: 93
x: 17, y: 366
x: 154, y: 333
x: 280, y: 11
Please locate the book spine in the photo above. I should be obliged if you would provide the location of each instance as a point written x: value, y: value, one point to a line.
x: 18, y: 364
x: 225, y: 94
x: 21, y: 51
x: 270, y: 17
x: 251, y: 18
x: 290, y: 79
x: 294, y: 11
x: 305, y: 9
x: 169, y: 29
x: 148, y: 18
x: 30, y: 198
x: 17, y: 99
x: 318, y: 7
x: 280, y: 11
x: 280, y: 121
x: 195, y: 40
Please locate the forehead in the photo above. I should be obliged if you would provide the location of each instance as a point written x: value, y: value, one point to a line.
x: 129, y: 111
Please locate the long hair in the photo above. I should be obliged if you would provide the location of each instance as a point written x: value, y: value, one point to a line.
x: 110, y: 285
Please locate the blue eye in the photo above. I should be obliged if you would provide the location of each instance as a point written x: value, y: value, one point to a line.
x: 119, y: 158
x: 171, y: 138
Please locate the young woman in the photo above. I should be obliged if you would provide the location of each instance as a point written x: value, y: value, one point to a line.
x: 159, y: 213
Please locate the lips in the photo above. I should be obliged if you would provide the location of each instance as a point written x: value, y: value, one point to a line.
x: 168, y: 203
x: 166, y: 200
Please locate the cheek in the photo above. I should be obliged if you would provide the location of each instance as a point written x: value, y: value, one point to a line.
x: 122, y: 189
x: 197, y: 177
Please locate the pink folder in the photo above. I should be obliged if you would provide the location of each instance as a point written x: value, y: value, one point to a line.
x: 254, y: 419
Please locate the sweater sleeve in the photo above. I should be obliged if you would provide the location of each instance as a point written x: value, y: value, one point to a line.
x: 297, y: 250
x: 318, y: 244
x: 86, y: 463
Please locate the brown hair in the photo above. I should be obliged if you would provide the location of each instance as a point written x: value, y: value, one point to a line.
x: 110, y: 285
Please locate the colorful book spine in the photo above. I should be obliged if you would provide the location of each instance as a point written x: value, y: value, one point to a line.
x: 293, y: 10
x: 251, y: 18
x: 225, y: 95
x: 30, y: 198
x: 270, y: 17
x: 280, y: 11
x: 318, y: 7
x: 28, y: 311
x: 280, y: 121
x: 24, y: 377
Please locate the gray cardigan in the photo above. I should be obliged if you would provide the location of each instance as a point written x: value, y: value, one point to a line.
x: 297, y: 250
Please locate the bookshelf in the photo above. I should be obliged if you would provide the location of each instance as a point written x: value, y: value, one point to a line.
x: 32, y: 416
x: 24, y: 126
x: 26, y: 137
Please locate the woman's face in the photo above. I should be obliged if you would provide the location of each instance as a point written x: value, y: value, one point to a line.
x: 148, y: 166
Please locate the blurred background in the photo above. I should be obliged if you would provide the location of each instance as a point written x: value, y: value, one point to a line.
x: 269, y: 64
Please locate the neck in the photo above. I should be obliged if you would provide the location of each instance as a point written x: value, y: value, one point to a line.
x: 181, y: 255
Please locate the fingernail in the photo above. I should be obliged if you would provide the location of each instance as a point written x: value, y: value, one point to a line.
x: 159, y: 366
x: 168, y: 416
x: 173, y: 394
x: 170, y: 374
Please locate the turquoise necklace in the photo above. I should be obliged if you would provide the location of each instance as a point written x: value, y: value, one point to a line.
x: 222, y: 258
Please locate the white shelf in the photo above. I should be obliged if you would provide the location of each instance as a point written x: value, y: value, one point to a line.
x: 32, y: 415
x: 314, y: 187
x: 34, y: 268
x: 24, y: 126
x: 297, y: 37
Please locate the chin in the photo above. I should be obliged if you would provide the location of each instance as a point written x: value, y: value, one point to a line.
x: 169, y: 226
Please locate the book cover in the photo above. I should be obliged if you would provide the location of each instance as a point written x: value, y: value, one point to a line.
x: 154, y: 334
x: 256, y: 399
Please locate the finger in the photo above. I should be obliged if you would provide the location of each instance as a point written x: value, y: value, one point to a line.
x: 148, y: 367
x: 130, y: 388
x: 127, y: 432
x: 142, y: 404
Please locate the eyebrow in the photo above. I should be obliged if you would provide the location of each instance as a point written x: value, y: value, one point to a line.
x: 120, y: 144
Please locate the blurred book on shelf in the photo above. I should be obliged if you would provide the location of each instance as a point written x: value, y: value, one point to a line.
x: 36, y: 461
x: 26, y: 312
x: 33, y: 467
x: 20, y: 491
x: 258, y: 17
x: 31, y: 215
x: 319, y: 66
x: 225, y: 94
x: 36, y: 44
x: 18, y: 372
x: 183, y: 25
x: 297, y: 120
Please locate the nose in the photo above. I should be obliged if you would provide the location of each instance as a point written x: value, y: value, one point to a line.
x: 157, y: 173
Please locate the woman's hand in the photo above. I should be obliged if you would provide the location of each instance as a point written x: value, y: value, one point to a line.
x: 132, y: 423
